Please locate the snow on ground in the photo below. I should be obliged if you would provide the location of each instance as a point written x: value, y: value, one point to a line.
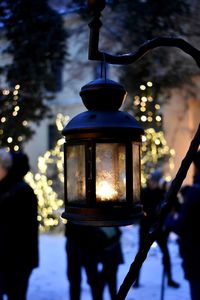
x: 49, y: 281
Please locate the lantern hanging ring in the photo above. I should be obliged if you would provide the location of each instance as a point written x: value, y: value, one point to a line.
x: 103, y: 67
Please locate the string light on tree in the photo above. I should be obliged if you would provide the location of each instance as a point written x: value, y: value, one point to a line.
x: 155, y: 152
x: 13, y: 118
x: 48, y: 183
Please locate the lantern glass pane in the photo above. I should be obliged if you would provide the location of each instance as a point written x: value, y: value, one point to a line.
x: 76, y: 174
x: 136, y: 171
x: 110, y: 172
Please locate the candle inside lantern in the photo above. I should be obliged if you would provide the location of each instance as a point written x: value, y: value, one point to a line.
x: 110, y: 170
x: 106, y: 191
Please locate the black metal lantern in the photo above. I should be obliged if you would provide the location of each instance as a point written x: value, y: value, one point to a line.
x: 102, y: 159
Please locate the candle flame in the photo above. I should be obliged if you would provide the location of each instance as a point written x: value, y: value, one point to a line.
x: 106, y: 191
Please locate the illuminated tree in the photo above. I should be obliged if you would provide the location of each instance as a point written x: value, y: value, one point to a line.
x: 14, y: 126
x: 34, y: 39
x: 48, y: 183
x: 155, y: 152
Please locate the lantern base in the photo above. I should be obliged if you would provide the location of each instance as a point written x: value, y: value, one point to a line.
x: 103, y: 216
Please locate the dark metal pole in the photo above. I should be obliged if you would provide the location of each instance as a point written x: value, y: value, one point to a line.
x: 96, y: 6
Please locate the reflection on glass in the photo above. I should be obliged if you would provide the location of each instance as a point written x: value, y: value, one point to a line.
x: 136, y: 171
x: 76, y: 173
x: 110, y: 172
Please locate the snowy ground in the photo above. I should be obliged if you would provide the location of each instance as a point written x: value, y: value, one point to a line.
x: 49, y: 281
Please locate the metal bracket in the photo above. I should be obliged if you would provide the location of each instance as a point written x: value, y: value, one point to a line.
x: 95, y: 54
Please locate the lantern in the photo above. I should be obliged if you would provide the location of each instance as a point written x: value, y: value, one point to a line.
x: 102, y: 159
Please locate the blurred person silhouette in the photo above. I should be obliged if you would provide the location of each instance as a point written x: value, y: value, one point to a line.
x: 97, y: 250
x: 82, y: 247
x: 151, y: 199
x: 110, y: 257
x: 186, y: 223
x: 18, y: 226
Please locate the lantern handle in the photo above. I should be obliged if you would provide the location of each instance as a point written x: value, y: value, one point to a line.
x: 95, y: 54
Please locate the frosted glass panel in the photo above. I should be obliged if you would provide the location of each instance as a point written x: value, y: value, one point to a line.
x: 136, y: 172
x: 76, y: 173
x: 110, y: 172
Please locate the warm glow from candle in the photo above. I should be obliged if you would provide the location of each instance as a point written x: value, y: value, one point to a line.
x: 106, y: 191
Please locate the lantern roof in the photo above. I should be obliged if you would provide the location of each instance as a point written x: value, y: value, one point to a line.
x: 103, y: 98
x: 103, y: 94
